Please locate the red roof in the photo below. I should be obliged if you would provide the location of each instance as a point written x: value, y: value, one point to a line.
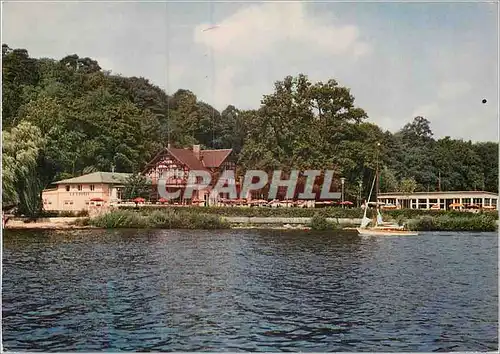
x: 209, y: 158
x: 214, y: 158
x: 187, y: 157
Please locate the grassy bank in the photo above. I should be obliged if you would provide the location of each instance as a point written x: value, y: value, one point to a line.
x: 480, y: 222
x: 320, y: 223
x: 184, y: 219
x: 165, y: 219
x: 174, y: 219
x: 331, y: 212
x: 213, y: 217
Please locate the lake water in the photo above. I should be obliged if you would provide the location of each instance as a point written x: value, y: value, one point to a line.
x: 248, y: 290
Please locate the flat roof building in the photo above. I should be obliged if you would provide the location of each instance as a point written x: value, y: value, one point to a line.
x: 75, y: 194
x: 441, y: 200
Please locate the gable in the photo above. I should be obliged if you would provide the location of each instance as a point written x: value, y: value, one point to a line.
x: 215, y: 158
x: 174, y: 158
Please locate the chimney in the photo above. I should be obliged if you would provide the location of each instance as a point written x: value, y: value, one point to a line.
x: 196, y: 151
x: 168, y: 146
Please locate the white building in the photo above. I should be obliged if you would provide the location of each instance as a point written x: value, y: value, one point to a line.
x: 441, y: 200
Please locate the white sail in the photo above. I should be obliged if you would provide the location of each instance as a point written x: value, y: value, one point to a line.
x: 364, y: 222
x: 379, y: 218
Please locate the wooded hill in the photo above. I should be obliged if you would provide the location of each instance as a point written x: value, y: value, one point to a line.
x: 68, y: 117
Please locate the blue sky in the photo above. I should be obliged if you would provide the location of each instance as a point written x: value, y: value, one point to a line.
x: 400, y: 60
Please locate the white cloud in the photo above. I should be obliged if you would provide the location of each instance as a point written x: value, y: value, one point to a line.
x: 256, y: 29
x: 453, y: 90
x: 268, y: 34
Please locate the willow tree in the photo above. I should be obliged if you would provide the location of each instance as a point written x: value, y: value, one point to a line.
x: 22, y: 158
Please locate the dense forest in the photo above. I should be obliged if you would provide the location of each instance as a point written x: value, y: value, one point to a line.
x: 63, y: 118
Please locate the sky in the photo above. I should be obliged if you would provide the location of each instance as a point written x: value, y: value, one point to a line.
x: 400, y: 59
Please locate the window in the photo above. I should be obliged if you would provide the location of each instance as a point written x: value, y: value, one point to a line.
x: 92, y: 187
x: 67, y: 188
x: 79, y: 187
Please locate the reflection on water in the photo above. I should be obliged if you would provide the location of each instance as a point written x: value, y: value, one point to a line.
x: 252, y: 290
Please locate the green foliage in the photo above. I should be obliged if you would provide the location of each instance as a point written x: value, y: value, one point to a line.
x: 137, y: 186
x: 82, y: 212
x: 120, y: 219
x: 259, y: 211
x: 301, y: 125
x: 407, y: 185
x: 64, y: 213
x: 23, y: 168
x: 479, y: 222
x: 388, y: 181
x: 414, y: 213
x: 166, y: 219
x: 399, y: 215
x: 93, y: 120
x: 213, y: 218
x: 320, y: 223
x: 82, y: 222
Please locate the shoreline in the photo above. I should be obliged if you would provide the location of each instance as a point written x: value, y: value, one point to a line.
x: 237, y: 223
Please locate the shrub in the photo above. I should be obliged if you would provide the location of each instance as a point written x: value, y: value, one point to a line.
x: 480, y: 222
x: 67, y: 213
x: 207, y: 221
x: 329, y: 212
x: 120, y: 219
x: 82, y: 212
x: 163, y: 219
x: 320, y: 223
x: 81, y: 222
x: 166, y: 219
x: 49, y: 214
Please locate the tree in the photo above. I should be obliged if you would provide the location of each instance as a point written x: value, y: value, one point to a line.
x: 18, y: 72
x: 419, y: 130
x: 23, y: 160
x: 301, y: 125
x: 137, y: 185
x: 388, y: 181
x: 93, y: 120
x: 487, y: 153
x: 407, y: 185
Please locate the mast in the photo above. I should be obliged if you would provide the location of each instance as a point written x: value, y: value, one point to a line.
x: 365, y: 220
x: 377, y: 176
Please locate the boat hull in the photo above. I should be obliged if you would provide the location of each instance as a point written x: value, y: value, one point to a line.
x: 382, y: 232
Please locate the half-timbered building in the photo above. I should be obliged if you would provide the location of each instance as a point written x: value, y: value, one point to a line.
x: 174, y: 165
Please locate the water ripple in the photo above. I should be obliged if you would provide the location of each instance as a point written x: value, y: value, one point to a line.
x: 158, y: 290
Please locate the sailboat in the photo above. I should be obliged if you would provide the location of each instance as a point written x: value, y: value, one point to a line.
x: 381, y: 228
